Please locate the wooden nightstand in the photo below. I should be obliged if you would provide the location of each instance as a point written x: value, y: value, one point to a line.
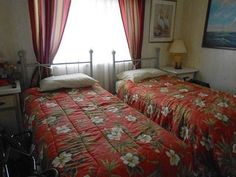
x: 10, y: 109
x: 184, y: 73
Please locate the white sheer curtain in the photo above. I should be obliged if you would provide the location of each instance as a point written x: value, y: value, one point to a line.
x: 96, y: 25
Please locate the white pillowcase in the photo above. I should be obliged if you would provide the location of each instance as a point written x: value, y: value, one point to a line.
x: 66, y: 81
x: 140, y: 74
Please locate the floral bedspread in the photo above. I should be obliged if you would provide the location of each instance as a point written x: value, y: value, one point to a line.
x: 202, y: 117
x: 90, y: 133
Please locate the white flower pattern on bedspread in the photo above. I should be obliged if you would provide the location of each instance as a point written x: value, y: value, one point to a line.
x: 62, y: 159
x: 50, y: 120
x: 183, y: 90
x: 51, y: 105
x: 115, y: 133
x: 174, y: 158
x: 222, y: 117
x: 179, y: 96
x: 202, y: 94
x: 126, y: 98
x: 200, y: 103
x: 130, y: 159
x: 135, y: 98
x: 144, y: 138
x: 78, y: 99
x: 62, y: 129
x: 184, y: 133
x: 131, y: 118
x: 165, y: 110
x: 107, y: 98
x: 167, y: 84
x: 112, y: 109
x: 223, y: 104
x: 150, y: 109
x: 90, y: 107
x: 97, y: 120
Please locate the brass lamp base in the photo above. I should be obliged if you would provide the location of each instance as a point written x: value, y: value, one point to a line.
x: 178, y: 66
x: 177, y: 61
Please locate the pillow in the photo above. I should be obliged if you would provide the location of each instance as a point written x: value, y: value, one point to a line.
x: 139, y: 74
x: 66, y: 81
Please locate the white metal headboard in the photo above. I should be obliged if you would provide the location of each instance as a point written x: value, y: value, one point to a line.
x: 139, y: 61
x: 24, y: 66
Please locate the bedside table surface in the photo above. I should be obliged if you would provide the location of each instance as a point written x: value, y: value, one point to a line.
x: 179, y: 71
x: 5, y: 90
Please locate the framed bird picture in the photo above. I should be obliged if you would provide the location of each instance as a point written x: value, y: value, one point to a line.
x: 162, y: 21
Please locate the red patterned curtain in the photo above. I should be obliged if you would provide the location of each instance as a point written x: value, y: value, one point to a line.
x: 48, y: 19
x: 132, y: 12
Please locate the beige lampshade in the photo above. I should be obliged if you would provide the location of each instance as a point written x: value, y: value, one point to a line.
x: 178, y: 47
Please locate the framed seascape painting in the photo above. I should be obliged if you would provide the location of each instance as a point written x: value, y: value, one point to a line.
x: 162, y: 21
x: 220, y: 25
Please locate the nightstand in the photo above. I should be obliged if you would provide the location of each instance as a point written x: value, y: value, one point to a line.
x: 184, y: 73
x: 10, y: 109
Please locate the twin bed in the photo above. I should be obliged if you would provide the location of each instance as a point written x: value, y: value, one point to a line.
x: 89, y: 132
x: 203, y: 118
x: 86, y: 131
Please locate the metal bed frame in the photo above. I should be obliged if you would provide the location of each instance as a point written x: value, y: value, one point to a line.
x: 25, y: 66
x: 139, y: 61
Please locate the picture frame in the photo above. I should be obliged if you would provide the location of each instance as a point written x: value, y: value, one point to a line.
x: 220, y: 25
x: 162, y: 20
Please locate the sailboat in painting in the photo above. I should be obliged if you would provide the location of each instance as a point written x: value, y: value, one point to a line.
x: 220, y: 28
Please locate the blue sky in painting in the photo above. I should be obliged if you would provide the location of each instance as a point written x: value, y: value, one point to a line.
x: 222, y: 13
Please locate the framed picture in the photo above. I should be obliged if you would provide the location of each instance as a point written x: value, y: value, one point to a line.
x: 220, y: 25
x: 162, y: 21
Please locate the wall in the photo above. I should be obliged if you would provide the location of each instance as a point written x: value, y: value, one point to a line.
x: 15, y: 33
x: 217, y: 67
x: 149, y: 49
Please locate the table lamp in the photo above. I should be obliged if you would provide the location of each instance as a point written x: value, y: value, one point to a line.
x: 177, y: 48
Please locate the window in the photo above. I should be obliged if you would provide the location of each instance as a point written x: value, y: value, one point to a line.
x: 96, y: 25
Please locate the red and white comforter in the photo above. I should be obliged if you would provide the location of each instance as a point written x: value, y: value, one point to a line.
x: 202, y: 117
x: 90, y: 133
